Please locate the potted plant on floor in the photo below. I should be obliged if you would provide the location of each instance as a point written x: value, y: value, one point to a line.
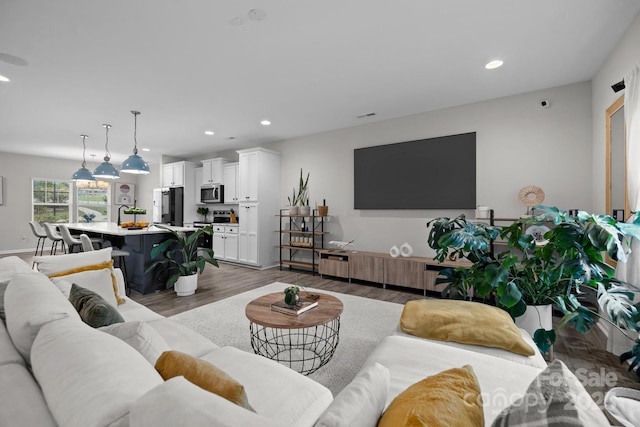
x: 558, y: 269
x: 184, y: 259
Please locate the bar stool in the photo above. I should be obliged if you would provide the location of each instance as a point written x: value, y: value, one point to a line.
x: 39, y: 232
x: 67, y: 238
x: 117, y: 254
x: 54, y: 236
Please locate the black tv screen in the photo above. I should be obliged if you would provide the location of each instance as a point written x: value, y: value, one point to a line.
x: 435, y: 173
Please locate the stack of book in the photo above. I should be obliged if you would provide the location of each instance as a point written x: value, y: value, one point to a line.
x: 294, y: 310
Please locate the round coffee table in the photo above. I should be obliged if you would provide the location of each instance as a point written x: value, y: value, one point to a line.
x: 305, y: 342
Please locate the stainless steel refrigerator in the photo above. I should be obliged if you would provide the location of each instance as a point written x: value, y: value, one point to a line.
x: 173, y: 206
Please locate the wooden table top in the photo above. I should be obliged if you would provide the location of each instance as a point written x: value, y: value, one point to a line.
x: 259, y: 311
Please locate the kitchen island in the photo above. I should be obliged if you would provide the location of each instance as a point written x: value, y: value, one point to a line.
x: 138, y: 243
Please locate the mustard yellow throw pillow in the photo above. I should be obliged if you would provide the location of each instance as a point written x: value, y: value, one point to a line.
x: 450, y: 398
x: 463, y: 322
x: 203, y: 374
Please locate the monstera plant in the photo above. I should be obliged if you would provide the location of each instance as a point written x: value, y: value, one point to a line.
x: 565, y: 265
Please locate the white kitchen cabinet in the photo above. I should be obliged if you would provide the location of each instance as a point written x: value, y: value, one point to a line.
x: 225, y: 242
x: 230, y: 179
x: 248, y: 238
x: 231, y: 243
x: 258, y: 198
x: 248, y: 176
x: 218, y: 242
x: 173, y: 174
x: 212, y: 171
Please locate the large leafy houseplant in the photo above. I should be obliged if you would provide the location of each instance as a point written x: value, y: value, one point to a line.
x: 181, y: 254
x: 567, y: 266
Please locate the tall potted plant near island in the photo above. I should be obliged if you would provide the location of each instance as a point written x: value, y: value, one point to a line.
x: 183, y: 258
x: 558, y: 269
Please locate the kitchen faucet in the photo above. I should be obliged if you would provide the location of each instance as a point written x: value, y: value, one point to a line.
x: 121, y: 206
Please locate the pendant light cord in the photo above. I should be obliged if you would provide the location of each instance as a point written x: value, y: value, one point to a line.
x: 84, y: 149
x: 107, y: 156
x: 135, y: 131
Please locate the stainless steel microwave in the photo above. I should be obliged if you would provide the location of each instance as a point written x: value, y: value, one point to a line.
x: 212, y: 193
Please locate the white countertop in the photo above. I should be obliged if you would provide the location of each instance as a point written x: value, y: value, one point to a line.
x: 113, y: 229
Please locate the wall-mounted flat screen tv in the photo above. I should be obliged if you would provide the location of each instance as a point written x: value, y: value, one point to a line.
x: 435, y: 173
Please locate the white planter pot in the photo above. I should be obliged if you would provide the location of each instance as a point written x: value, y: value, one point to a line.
x: 186, y: 285
x: 293, y: 210
x: 536, y: 317
x: 305, y: 210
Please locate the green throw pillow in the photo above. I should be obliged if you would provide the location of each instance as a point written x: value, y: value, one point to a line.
x: 93, y: 309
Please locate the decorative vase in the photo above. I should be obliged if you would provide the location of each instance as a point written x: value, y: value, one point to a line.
x: 536, y: 317
x: 186, y: 285
x: 291, y: 298
x: 293, y: 210
x: 323, y: 210
x: 304, y: 210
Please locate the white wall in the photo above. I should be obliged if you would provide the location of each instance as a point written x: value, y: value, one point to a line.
x: 15, y: 213
x: 518, y: 144
x: 619, y: 63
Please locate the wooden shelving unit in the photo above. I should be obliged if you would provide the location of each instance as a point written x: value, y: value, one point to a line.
x: 303, y: 238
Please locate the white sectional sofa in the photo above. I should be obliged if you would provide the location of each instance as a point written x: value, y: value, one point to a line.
x: 57, y: 370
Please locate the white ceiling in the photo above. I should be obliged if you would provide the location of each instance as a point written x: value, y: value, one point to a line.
x: 308, y: 66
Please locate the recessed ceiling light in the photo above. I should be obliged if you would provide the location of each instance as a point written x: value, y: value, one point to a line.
x: 208, y: 132
x: 146, y: 149
x: 4, y: 79
x: 256, y: 14
x: 496, y: 63
x: 265, y: 122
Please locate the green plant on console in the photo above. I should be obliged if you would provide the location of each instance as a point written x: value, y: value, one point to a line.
x: 569, y: 264
x: 182, y: 255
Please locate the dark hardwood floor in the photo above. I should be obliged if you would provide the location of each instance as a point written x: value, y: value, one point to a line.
x: 585, y: 355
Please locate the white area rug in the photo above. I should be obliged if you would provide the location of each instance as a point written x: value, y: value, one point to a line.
x: 364, y: 322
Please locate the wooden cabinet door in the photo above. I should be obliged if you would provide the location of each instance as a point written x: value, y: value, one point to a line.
x: 404, y: 272
x: 366, y: 267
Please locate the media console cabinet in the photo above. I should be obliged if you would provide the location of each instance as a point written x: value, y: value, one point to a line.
x: 411, y: 272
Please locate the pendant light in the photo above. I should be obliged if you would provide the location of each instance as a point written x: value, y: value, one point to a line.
x: 135, y: 164
x: 83, y: 174
x: 106, y: 170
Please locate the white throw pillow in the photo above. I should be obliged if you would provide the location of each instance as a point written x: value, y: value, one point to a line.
x: 177, y: 402
x: 89, y: 378
x: 624, y: 404
x: 361, y: 402
x: 51, y: 264
x: 31, y: 300
x: 98, y: 281
x: 140, y: 336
